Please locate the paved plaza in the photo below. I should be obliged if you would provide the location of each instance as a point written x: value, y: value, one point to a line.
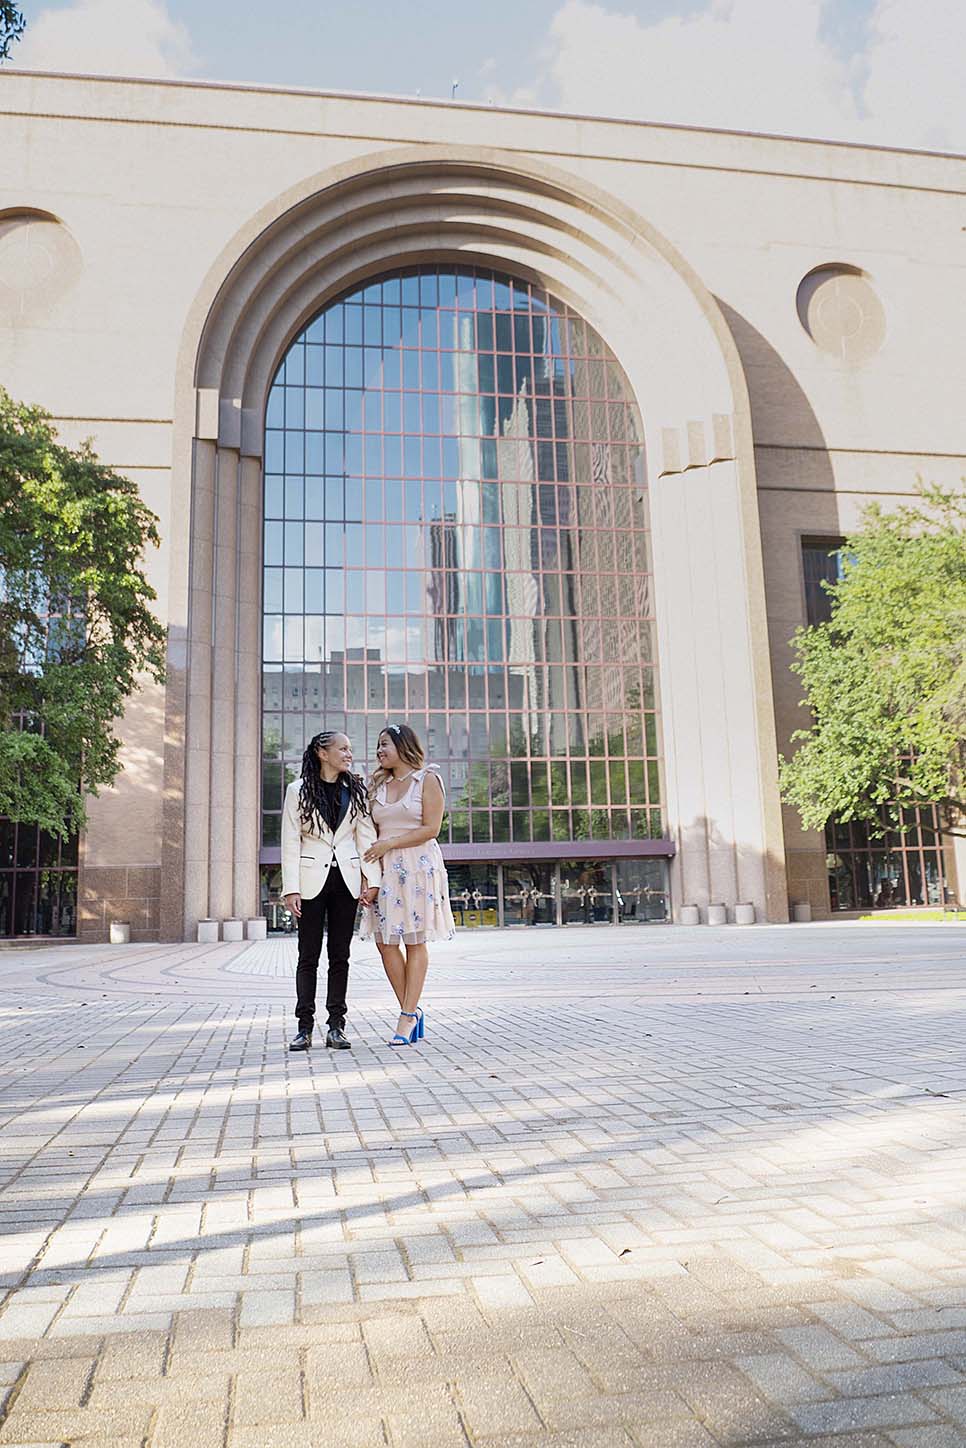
x: 672, y: 1188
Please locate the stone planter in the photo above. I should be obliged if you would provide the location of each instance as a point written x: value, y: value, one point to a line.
x: 233, y: 930
x: 802, y: 912
x: 717, y: 915
x: 689, y: 915
x: 120, y: 932
x: 207, y: 932
x: 744, y: 914
x: 257, y: 928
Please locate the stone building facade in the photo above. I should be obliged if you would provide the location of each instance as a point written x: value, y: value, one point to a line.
x: 778, y: 323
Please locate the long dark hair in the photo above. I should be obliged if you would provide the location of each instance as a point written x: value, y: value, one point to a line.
x: 408, y: 747
x: 311, y: 803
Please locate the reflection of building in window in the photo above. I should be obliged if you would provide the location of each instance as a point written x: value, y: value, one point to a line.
x: 456, y: 534
x: 38, y: 872
x: 872, y: 868
x: 886, y: 870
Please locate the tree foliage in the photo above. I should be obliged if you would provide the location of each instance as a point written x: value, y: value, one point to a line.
x: 76, y: 630
x: 12, y: 26
x: 885, y: 678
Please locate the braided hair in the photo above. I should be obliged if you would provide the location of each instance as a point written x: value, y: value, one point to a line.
x: 312, y: 805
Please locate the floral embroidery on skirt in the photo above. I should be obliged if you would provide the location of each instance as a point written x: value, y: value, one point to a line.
x: 412, y: 907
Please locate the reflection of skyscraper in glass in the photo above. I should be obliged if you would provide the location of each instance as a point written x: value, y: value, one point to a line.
x: 496, y: 526
x: 468, y: 520
x: 516, y: 465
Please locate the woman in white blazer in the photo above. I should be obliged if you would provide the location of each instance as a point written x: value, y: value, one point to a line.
x: 326, y: 830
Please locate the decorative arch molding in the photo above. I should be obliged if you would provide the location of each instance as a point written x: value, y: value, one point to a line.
x: 398, y: 208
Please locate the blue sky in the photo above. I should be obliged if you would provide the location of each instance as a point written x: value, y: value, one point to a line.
x: 881, y: 71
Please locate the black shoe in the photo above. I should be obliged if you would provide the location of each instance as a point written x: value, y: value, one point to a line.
x: 337, y: 1039
x: 302, y: 1041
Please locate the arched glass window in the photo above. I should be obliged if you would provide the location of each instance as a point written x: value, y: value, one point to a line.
x: 456, y: 536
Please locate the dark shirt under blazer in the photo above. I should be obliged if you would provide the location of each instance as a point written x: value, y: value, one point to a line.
x: 308, y: 854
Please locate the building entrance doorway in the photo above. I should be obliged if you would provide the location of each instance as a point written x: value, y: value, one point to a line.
x: 530, y: 894
x: 486, y: 894
x: 586, y: 892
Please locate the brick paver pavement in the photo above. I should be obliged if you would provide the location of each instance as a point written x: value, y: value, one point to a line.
x: 655, y: 1187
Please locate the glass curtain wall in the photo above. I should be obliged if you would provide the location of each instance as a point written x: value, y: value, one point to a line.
x: 456, y: 535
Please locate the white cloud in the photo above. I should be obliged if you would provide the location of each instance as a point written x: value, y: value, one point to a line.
x: 760, y: 66
x: 915, y: 93
x: 108, y: 37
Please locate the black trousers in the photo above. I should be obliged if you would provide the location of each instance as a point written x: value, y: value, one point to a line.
x: 333, y: 911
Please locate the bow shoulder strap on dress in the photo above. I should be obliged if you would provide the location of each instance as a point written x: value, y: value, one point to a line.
x: 418, y: 777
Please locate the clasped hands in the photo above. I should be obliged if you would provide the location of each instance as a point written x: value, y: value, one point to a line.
x: 293, y: 902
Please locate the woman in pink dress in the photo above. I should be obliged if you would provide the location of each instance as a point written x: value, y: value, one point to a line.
x: 412, y: 905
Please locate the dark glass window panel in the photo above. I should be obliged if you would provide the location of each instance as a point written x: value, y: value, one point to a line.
x: 25, y: 903
x: 821, y: 563
x: 27, y: 837
x: 6, y: 904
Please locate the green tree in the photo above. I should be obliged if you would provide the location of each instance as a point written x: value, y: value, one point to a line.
x: 76, y: 631
x: 11, y: 27
x: 885, y: 678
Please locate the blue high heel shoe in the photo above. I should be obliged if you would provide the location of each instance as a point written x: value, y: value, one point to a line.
x: 409, y: 1040
x: 421, y: 1023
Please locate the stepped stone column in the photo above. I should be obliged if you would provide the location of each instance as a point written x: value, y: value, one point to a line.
x: 197, y: 764
x: 248, y: 691
x: 397, y: 208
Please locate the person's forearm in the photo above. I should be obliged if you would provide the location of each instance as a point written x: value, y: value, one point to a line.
x: 415, y: 837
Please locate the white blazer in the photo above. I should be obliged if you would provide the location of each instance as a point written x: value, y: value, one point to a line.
x: 307, y: 857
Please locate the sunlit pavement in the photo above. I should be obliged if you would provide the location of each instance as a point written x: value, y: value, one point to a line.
x: 657, y: 1187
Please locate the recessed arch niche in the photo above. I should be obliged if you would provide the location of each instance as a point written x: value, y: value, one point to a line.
x: 398, y: 209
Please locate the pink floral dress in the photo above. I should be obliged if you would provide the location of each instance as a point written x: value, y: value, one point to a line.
x: 412, y: 906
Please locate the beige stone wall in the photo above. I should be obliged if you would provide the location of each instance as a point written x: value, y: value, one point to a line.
x: 153, y: 184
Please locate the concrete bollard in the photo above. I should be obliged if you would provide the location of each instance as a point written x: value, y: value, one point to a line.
x: 120, y: 932
x: 207, y: 932
x: 802, y: 912
x: 233, y: 930
x: 717, y: 915
x: 744, y: 914
x: 257, y: 928
x: 689, y: 915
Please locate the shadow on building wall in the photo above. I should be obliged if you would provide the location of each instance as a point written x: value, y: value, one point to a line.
x: 120, y: 879
x: 797, y: 499
x: 722, y: 868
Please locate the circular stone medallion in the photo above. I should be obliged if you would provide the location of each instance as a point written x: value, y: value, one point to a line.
x: 841, y: 312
